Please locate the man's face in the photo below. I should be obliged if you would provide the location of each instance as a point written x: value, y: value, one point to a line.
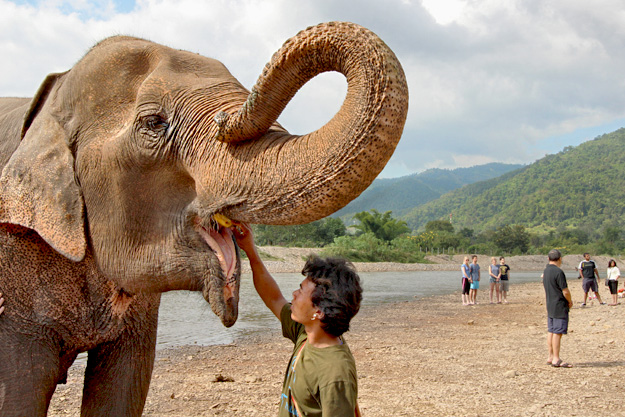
x: 302, y: 308
x: 502, y: 261
x: 587, y: 256
x: 475, y: 259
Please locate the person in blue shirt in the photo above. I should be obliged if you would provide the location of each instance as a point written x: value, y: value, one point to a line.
x: 475, y: 280
x: 495, y: 276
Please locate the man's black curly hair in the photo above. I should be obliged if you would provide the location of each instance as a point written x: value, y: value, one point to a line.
x: 337, y: 292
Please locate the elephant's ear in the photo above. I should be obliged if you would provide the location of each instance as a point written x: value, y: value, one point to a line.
x: 37, y: 185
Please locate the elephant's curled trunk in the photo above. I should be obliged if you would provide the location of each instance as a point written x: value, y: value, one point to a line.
x: 299, y: 179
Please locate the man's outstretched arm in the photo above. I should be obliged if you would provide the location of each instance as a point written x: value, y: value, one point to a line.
x: 265, y: 285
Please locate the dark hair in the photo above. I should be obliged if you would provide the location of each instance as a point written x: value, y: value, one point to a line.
x: 337, y: 292
x: 612, y: 261
x: 554, y: 255
x: 501, y: 257
x: 586, y: 253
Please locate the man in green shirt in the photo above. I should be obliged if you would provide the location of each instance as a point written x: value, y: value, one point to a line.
x: 320, y: 379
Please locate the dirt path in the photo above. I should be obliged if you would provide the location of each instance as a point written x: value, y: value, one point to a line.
x: 429, y: 357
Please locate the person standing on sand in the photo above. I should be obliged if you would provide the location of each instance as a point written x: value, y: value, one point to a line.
x: 321, y: 376
x: 504, y: 283
x: 495, y: 276
x: 475, y: 280
x: 613, y: 275
x: 466, y: 281
x: 588, y: 270
x: 1, y: 302
x: 559, y: 303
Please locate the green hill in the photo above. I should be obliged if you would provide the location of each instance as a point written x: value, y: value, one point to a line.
x: 401, y: 195
x: 581, y: 186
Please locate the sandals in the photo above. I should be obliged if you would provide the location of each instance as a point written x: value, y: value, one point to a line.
x: 561, y: 364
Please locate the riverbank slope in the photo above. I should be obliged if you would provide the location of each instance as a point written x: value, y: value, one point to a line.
x: 292, y: 259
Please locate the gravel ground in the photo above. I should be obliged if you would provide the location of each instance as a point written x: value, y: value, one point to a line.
x: 427, y: 357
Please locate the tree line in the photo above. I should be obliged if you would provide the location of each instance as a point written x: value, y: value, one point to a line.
x: 379, y: 237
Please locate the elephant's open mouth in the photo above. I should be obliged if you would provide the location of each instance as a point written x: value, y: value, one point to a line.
x: 221, y: 288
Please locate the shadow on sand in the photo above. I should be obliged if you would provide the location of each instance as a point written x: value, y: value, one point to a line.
x: 599, y: 364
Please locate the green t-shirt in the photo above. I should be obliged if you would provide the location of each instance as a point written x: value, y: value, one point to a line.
x: 318, y: 381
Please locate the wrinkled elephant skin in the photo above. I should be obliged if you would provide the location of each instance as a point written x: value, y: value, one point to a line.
x: 112, y: 176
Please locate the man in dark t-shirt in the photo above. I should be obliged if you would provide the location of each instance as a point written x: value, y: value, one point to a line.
x: 504, y: 282
x: 588, y: 271
x: 559, y: 302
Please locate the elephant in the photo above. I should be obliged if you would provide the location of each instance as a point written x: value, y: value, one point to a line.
x: 119, y: 179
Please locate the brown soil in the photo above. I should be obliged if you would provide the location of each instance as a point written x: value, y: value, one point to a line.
x: 430, y: 357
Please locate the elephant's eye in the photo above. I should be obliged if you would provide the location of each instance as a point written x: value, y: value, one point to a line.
x: 155, y: 124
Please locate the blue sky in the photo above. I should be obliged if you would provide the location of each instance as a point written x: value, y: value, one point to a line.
x: 490, y: 80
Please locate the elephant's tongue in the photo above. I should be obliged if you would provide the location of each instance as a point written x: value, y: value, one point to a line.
x: 221, y: 242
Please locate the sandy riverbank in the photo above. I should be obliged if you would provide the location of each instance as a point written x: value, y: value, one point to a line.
x: 430, y: 357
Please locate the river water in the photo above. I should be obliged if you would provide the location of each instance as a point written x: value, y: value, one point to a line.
x: 186, y: 319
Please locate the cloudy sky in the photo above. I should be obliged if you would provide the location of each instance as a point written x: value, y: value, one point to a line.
x: 490, y: 80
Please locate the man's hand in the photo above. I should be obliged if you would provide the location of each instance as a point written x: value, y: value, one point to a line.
x: 1, y: 302
x: 245, y: 237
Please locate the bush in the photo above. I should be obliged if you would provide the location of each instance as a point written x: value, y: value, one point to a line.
x: 368, y: 248
x: 311, y: 235
x: 483, y: 248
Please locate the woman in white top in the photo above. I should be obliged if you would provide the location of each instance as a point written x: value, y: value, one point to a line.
x: 613, y: 276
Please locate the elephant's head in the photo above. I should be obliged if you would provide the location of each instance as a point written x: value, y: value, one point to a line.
x: 131, y: 154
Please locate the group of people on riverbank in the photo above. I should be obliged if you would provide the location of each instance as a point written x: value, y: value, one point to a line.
x: 499, y: 280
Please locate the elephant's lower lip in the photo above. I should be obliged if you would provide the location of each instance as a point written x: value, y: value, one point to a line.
x: 221, y: 243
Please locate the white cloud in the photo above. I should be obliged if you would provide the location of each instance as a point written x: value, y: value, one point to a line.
x: 491, y: 78
x: 444, y: 11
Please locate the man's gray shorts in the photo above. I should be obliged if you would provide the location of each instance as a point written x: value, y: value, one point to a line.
x: 557, y: 326
x: 589, y: 284
x: 505, y: 285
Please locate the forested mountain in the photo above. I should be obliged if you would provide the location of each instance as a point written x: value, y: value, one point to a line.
x: 403, y: 194
x: 581, y: 186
